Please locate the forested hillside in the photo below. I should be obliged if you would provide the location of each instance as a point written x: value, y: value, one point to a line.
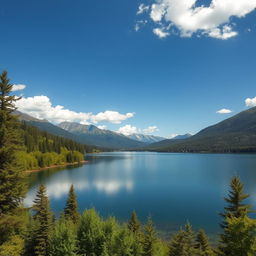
x: 42, y: 149
x: 235, y: 134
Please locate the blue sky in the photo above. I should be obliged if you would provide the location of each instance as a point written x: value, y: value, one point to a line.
x: 87, y: 57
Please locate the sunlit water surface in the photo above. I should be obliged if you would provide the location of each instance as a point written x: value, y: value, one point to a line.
x: 171, y: 188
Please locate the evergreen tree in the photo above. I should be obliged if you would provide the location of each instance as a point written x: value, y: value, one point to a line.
x: 12, y: 189
x: 236, y: 210
x: 235, y: 199
x: 124, y: 243
x: 63, y: 241
x: 150, y: 239
x: 43, y: 218
x: 182, y: 244
x: 134, y: 224
x: 110, y: 233
x: 202, y: 244
x: 71, y: 209
x: 90, y: 234
x: 239, y: 238
x: 177, y: 246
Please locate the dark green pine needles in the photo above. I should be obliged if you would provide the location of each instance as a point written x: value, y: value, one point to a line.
x: 71, y: 209
x: 236, y: 207
x: 12, y: 188
x: 134, y: 224
x: 44, y: 221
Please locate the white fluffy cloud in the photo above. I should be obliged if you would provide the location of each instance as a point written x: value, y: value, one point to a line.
x: 129, y: 130
x: 18, y: 87
x: 250, y: 102
x: 150, y: 129
x: 113, y: 117
x: 224, y: 111
x: 41, y: 107
x: 160, y: 32
x: 188, y: 17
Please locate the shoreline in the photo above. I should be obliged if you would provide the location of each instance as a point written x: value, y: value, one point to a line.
x: 55, y: 166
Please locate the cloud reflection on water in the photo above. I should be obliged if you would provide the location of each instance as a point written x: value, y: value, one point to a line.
x: 84, y: 179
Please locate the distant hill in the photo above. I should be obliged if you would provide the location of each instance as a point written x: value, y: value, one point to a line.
x: 235, y: 134
x: 146, y: 138
x: 44, y: 125
x: 103, y: 138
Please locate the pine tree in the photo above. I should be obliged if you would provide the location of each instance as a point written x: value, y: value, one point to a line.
x: 182, y: 244
x: 239, y: 238
x: 235, y: 199
x: 236, y: 211
x: 150, y: 239
x: 134, y: 224
x: 12, y: 189
x: 90, y: 234
x: 202, y: 244
x: 189, y: 236
x: 43, y: 217
x: 177, y: 246
x: 71, y: 209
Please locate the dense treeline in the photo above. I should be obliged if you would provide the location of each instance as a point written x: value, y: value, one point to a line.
x: 36, y: 232
x: 36, y: 140
x: 42, y: 149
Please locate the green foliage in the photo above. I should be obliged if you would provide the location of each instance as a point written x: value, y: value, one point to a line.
x: 12, y: 189
x: 235, y: 199
x: 183, y: 243
x: 110, y: 232
x: 90, y: 234
x: 63, y: 240
x: 13, y: 247
x: 202, y: 244
x: 238, y: 229
x: 43, y: 149
x: 43, y: 219
x: 71, y: 209
x: 124, y: 242
x: 134, y: 224
x: 134, y: 227
x: 150, y: 241
x: 240, y: 237
x: 37, y: 140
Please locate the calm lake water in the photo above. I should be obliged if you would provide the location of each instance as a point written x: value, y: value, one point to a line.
x: 172, y: 188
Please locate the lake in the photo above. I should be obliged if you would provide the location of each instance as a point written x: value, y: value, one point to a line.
x: 170, y: 187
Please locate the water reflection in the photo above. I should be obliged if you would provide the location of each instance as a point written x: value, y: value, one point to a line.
x: 98, y: 178
x: 172, y: 188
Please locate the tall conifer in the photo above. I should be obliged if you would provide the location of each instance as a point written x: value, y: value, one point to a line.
x: 134, y: 224
x: 236, y: 196
x: 12, y: 189
x: 71, y: 209
x: 202, y: 244
x: 43, y: 218
x: 150, y: 239
x: 235, y: 212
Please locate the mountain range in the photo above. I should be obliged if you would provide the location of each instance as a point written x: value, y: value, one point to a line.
x: 90, y: 134
x: 235, y: 134
x: 99, y: 137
